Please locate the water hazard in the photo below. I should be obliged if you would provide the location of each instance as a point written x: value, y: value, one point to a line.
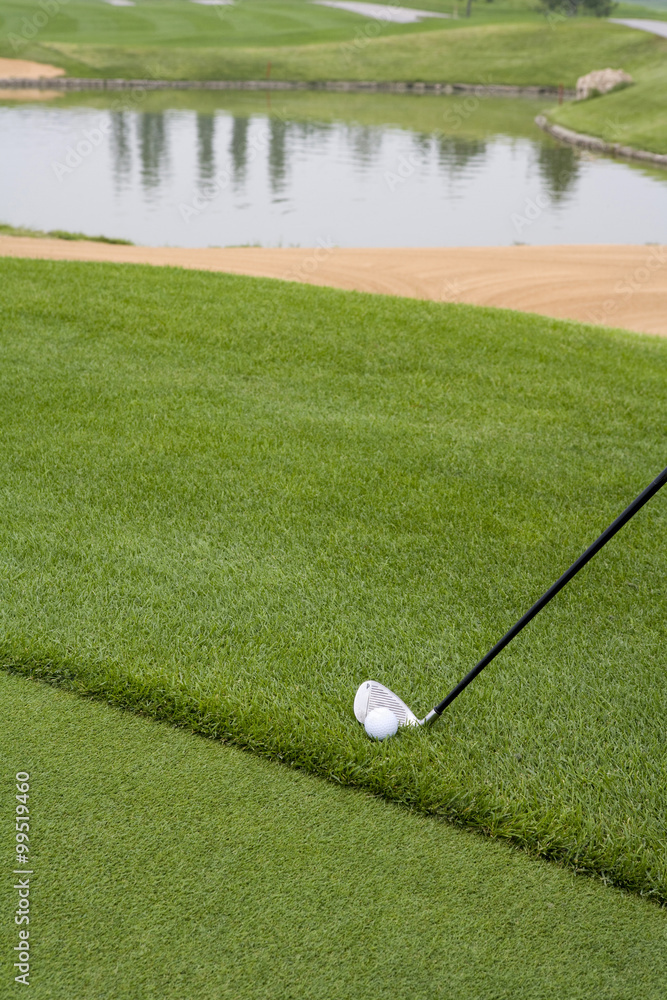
x: 352, y: 170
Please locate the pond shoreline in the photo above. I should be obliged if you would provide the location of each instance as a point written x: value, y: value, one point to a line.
x: 584, y: 141
x: 336, y: 86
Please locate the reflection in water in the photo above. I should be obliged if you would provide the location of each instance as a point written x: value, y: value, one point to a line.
x: 120, y: 147
x: 455, y: 152
x: 238, y: 148
x: 152, y: 147
x: 205, y: 153
x: 277, y: 154
x: 365, y: 143
x: 423, y: 145
x: 559, y: 166
x: 310, y: 132
x: 162, y: 177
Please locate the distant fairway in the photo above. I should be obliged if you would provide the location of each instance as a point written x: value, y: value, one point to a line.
x: 181, y: 24
x: 168, y: 866
x: 227, y: 501
x: 507, y: 41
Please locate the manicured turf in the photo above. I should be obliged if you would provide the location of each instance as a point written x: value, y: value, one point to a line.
x: 168, y: 866
x: 265, y: 23
x: 180, y: 24
x: 227, y: 501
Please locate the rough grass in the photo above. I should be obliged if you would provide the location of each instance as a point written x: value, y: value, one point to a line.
x: 227, y: 501
x: 162, y: 859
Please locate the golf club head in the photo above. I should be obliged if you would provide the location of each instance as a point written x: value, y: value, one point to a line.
x: 372, y: 694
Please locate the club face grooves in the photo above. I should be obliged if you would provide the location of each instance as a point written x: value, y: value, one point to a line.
x: 372, y: 694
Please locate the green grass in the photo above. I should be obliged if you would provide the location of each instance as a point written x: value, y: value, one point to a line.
x: 58, y: 234
x: 523, y: 52
x: 184, y: 25
x: 266, y: 23
x: 634, y: 116
x: 169, y: 866
x: 227, y: 501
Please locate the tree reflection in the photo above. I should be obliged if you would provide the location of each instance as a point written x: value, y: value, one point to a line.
x: 559, y: 167
x: 152, y: 147
x: 455, y: 151
x: 310, y: 131
x: 121, y: 150
x: 422, y: 143
x: 239, y: 150
x: 277, y: 154
x: 365, y: 143
x: 205, y: 150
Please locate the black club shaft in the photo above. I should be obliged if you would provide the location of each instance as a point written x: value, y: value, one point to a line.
x: 615, y: 526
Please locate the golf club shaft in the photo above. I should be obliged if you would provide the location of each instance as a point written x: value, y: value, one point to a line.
x: 551, y: 592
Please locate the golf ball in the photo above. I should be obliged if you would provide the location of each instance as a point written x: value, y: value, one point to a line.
x: 380, y: 723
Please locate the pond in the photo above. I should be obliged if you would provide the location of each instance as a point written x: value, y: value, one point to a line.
x: 227, y: 169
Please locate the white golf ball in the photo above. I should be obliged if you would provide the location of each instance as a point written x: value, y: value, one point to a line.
x: 380, y: 723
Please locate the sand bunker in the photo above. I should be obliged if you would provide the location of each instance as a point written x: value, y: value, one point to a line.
x: 29, y: 94
x: 618, y: 286
x: 21, y: 69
